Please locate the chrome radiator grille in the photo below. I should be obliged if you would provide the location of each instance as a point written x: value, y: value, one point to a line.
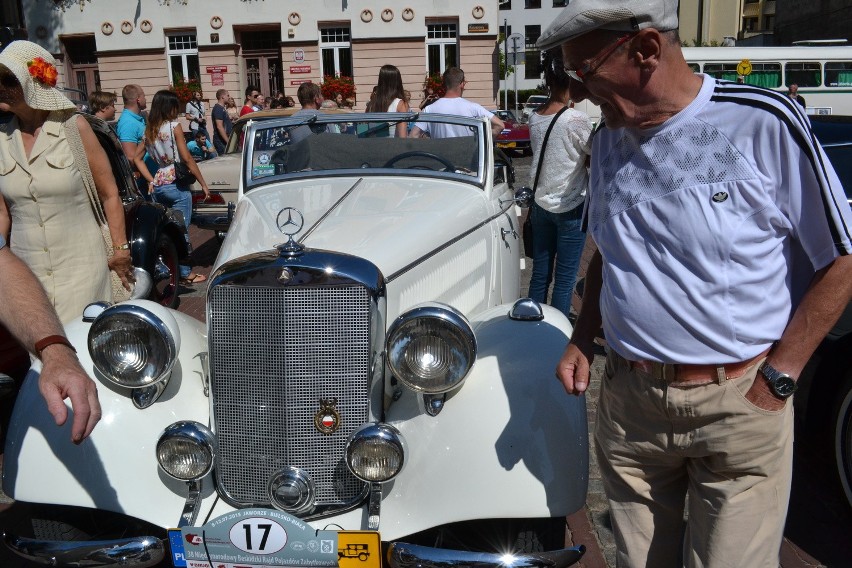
x: 275, y: 353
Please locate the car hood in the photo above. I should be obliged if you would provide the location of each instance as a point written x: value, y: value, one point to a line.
x: 390, y: 221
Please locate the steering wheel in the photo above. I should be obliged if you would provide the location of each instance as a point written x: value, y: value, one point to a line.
x: 448, y: 167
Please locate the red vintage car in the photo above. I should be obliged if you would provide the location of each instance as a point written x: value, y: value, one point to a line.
x: 515, y: 136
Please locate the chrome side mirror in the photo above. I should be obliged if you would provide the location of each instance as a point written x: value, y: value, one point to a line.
x: 524, y: 196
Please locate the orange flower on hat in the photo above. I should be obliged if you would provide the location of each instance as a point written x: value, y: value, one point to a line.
x: 42, y: 71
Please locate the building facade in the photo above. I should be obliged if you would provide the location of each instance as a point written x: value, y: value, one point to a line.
x: 271, y: 44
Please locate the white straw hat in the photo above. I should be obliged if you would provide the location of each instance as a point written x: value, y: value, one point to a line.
x: 35, y: 69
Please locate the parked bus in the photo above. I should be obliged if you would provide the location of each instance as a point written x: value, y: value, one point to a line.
x: 823, y: 73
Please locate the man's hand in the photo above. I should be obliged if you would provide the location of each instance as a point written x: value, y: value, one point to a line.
x: 62, y: 377
x: 573, y: 367
x: 761, y: 395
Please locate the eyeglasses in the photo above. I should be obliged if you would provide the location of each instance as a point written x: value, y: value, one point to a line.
x: 595, y: 63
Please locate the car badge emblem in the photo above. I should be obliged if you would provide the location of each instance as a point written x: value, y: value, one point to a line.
x: 263, y: 159
x: 290, y: 221
x: 720, y: 197
x: 285, y: 276
x: 327, y: 418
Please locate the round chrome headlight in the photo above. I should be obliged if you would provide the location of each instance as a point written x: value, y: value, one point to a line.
x: 186, y: 450
x: 375, y: 453
x: 134, y: 345
x: 431, y: 348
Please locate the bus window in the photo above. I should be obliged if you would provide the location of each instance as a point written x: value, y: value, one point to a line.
x: 804, y: 74
x: 695, y: 67
x: 838, y: 74
x: 762, y: 74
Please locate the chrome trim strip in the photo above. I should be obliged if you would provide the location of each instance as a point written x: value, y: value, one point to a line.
x: 403, y: 555
x: 444, y: 246
x: 192, y: 505
x: 330, y: 209
x: 137, y: 552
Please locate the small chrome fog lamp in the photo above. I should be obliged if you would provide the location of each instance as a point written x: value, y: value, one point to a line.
x: 292, y: 490
x: 186, y: 450
x: 431, y: 348
x: 375, y: 453
x: 134, y: 345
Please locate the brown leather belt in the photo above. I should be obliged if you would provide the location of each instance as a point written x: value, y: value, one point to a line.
x: 695, y: 374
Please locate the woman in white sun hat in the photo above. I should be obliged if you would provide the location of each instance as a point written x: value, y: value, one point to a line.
x: 45, y: 205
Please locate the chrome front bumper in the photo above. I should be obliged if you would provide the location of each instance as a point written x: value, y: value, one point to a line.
x: 138, y: 552
x: 402, y: 555
x: 144, y: 552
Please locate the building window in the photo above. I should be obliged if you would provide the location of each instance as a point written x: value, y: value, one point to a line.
x: 505, y: 4
x: 532, y: 63
x: 532, y: 4
x: 750, y: 24
x: 82, y: 65
x: 336, y: 51
x: 560, y: 3
x: 442, y: 48
x: 182, y: 54
x: 768, y: 22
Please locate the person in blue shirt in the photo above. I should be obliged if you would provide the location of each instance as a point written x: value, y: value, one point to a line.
x: 130, y: 128
x: 200, y: 147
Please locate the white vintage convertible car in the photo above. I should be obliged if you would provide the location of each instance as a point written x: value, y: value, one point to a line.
x: 368, y: 389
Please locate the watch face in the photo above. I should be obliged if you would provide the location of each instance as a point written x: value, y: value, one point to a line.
x: 784, y: 386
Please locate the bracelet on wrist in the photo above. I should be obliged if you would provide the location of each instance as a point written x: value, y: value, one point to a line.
x: 125, y: 246
x: 41, y: 344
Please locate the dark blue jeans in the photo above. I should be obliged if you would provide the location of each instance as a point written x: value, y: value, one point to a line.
x: 178, y: 198
x: 558, y: 241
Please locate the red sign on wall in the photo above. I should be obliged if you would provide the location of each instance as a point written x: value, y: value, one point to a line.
x: 217, y: 68
x: 299, y: 81
x: 294, y: 69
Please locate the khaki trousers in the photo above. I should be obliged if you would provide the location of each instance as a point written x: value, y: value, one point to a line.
x: 657, y: 442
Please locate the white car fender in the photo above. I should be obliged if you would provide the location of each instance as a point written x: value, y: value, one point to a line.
x: 493, y: 451
x: 116, y: 467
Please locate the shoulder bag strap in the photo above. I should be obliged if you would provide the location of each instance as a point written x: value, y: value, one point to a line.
x: 72, y: 134
x: 544, y: 146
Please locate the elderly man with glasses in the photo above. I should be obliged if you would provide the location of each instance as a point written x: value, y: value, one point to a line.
x: 723, y: 259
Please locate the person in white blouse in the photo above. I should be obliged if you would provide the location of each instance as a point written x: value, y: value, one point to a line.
x: 561, y: 189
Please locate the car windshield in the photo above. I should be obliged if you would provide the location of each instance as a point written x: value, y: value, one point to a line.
x: 359, y: 144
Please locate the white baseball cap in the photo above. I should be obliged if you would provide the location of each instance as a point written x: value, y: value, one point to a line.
x: 583, y: 16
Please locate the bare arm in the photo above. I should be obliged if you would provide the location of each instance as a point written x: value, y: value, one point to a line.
x: 573, y: 368
x: 139, y: 162
x: 829, y: 293
x: 5, y: 219
x: 108, y: 193
x: 26, y: 311
x: 402, y: 127
x: 129, y: 149
x: 497, y: 125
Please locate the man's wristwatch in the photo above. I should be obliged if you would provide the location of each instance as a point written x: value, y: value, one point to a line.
x: 781, y: 384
